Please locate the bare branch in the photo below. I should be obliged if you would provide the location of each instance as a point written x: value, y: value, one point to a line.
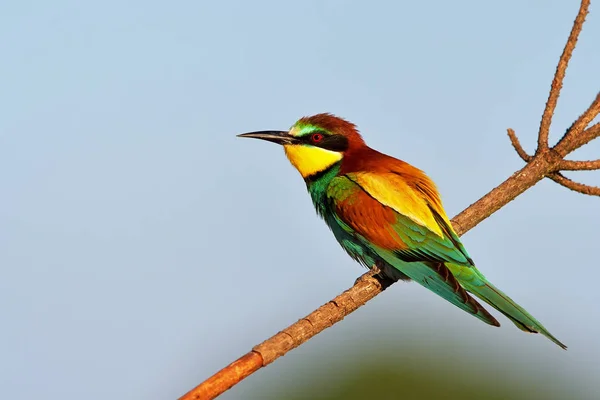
x: 576, y: 186
x: 567, y: 165
x: 559, y: 76
x: 517, y: 145
x: 545, y: 162
x: 226, y: 378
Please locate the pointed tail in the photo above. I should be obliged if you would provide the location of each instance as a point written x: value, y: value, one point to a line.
x: 474, y: 281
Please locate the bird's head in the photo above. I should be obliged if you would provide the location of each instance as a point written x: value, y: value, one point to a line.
x: 314, y: 144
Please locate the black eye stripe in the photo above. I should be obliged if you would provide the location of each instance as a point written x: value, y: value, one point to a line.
x: 334, y: 143
x: 329, y: 142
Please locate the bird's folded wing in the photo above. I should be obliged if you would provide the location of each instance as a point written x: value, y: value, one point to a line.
x: 399, y: 216
x: 412, y: 248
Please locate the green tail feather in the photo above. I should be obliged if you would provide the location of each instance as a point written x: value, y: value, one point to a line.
x: 474, y: 281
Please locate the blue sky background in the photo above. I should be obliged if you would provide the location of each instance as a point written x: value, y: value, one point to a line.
x: 143, y: 246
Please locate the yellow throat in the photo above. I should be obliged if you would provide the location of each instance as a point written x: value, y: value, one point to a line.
x: 309, y: 160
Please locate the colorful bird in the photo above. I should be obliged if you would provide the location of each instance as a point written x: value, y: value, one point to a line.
x: 388, y: 215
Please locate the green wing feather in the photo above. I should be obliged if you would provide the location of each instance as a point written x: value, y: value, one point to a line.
x: 424, y: 245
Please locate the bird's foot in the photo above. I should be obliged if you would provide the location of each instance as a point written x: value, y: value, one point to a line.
x: 374, y: 272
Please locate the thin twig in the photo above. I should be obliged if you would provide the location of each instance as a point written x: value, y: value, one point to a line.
x: 576, y: 186
x: 588, y: 116
x: 517, y: 145
x: 559, y: 76
x: 567, y: 165
x: 581, y: 123
x: 594, y: 130
x: 569, y: 142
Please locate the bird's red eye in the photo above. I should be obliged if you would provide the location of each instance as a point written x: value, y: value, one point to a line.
x: 317, y: 137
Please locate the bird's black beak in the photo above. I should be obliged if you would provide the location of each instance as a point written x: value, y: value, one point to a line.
x: 279, y: 137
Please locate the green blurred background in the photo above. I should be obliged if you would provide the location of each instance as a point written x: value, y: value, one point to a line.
x: 415, y: 366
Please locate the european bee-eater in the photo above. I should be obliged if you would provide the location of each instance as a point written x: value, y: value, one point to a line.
x: 387, y: 214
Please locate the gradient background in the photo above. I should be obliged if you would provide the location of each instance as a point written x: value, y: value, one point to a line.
x: 143, y: 246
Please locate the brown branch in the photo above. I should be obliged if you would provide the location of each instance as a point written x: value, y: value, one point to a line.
x: 575, y: 186
x: 559, y: 76
x: 227, y: 377
x: 517, y: 145
x: 545, y: 163
x: 567, y: 165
